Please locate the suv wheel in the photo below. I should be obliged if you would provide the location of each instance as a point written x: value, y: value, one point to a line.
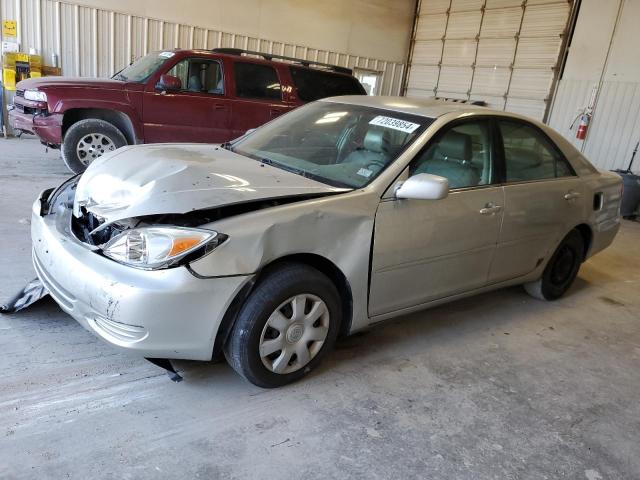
x: 561, y: 270
x: 87, y: 140
x: 286, y: 326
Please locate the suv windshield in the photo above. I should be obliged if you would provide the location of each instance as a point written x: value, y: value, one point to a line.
x: 143, y: 67
x: 338, y: 144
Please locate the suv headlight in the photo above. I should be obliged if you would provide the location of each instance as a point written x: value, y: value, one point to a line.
x: 35, y: 96
x: 152, y: 248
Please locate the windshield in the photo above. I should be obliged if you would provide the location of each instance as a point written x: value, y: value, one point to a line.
x: 338, y: 144
x: 143, y: 67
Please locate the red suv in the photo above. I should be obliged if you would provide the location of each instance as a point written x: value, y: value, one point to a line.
x: 171, y: 96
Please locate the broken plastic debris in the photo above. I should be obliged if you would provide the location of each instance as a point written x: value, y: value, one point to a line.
x: 30, y: 294
x: 168, y: 366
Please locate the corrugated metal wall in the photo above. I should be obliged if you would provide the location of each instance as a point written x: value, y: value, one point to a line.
x: 503, y: 52
x: 615, y: 128
x: 604, y: 62
x: 98, y: 42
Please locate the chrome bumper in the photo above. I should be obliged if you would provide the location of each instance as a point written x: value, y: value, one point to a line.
x: 163, y: 314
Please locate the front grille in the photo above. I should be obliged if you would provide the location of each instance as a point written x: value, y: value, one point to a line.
x: 19, y: 93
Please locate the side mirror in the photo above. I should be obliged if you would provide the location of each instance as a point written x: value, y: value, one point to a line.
x: 169, y: 83
x: 423, y: 186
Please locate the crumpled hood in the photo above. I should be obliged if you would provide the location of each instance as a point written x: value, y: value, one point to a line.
x: 179, y: 178
x: 43, y: 83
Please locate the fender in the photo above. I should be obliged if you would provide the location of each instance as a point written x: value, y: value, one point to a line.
x: 63, y: 105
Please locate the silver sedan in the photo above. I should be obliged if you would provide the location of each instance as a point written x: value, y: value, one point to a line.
x: 336, y: 216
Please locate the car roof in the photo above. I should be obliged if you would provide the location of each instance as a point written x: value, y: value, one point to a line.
x: 425, y: 107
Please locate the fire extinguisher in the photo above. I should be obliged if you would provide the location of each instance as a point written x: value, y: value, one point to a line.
x: 585, y: 118
x: 581, y: 133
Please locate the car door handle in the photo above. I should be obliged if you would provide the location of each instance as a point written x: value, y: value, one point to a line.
x: 490, y: 209
x: 571, y: 195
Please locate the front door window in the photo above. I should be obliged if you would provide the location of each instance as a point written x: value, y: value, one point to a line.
x: 462, y: 154
x: 199, y: 75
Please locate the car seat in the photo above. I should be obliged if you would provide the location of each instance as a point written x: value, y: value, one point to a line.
x: 451, y: 158
x: 374, y: 152
x: 195, y: 84
x: 219, y: 87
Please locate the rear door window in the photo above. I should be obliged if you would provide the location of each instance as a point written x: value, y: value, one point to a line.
x: 316, y: 84
x: 529, y: 154
x: 257, y: 81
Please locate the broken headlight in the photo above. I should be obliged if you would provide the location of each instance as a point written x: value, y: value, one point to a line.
x: 158, y: 247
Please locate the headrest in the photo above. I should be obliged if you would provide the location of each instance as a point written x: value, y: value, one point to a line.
x: 455, y: 145
x: 195, y: 84
x: 376, y: 141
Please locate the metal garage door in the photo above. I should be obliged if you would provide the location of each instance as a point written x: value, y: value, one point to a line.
x: 501, y: 51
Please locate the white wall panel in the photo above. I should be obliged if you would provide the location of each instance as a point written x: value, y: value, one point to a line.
x: 464, y: 25
x: 538, y: 52
x: 616, y: 126
x: 92, y: 41
x: 503, y: 3
x: 465, y: 5
x: 531, y: 108
x: 530, y: 83
x: 427, y: 52
x: 434, y: 6
x: 419, y: 93
x: 431, y: 27
x: 424, y: 78
x: 603, y: 56
x: 496, y: 52
x: 459, y: 52
x: 546, y: 20
x: 455, y: 79
x: 494, y: 102
x: 502, y: 22
x: 491, y: 81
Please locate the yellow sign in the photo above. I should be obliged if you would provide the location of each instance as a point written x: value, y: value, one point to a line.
x: 9, y: 28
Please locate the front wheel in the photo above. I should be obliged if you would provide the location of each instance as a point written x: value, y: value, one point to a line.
x: 561, y: 270
x: 286, y: 326
x: 87, y: 140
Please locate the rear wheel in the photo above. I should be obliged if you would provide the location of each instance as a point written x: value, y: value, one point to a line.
x: 286, y: 326
x: 561, y: 270
x: 87, y: 140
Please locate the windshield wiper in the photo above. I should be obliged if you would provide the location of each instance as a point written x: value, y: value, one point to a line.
x: 226, y: 146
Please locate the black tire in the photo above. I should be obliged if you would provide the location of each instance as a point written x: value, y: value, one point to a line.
x: 88, y: 129
x: 561, y: 270
x: 286, y: 281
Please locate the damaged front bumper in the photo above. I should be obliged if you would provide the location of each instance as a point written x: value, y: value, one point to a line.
x: 157, y: 313
x: 47, y: 127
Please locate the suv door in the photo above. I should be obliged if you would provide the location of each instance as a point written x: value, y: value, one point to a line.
x: 543, y: 199
x: 258, y: 96
x: 198, y: 112
x: 430, y: 249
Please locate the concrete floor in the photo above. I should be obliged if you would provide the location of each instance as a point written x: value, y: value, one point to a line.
x: 498, y: 386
